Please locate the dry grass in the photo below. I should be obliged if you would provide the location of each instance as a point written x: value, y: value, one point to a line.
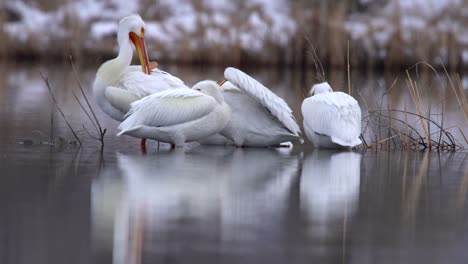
x: 47, y: 83
x: 100, y: 132
x: 412, y: 130
x: 85, y: 107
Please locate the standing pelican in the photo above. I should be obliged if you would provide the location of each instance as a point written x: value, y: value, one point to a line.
x: 178, y: 115
x: 118, y: 84
x: 331, y: 119
x: 259, y: 117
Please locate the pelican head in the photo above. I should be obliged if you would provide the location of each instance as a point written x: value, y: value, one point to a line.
x: 210, y: 88
x: 133, y: 28
x: 320, y: 88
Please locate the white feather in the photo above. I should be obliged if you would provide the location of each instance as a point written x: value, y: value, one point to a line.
x: 141, y: 84
x: 333, y: 114
x: 167, y: 108
x: 276, y: 105
x: 120, y: 98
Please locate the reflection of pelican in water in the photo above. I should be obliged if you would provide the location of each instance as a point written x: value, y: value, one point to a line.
x: 329, y: 195
x: 330, y: 185
x: 255, y: 201
x: 163, y: 191
x: 184, y: 197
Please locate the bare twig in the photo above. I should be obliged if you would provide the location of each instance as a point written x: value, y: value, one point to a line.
x: 348, y: 67
x: 417, y: 102
x: 46, y: 81
x: 463, y: 101
x: 426, y: 141
x: 84, y: 110
x: 463, y: 135
x: 320, y: 73
x: 95, y: 121
x: 89, y: 134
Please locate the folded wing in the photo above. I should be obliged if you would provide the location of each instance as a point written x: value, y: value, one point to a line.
x: 168, y: 108
x: 120, y: 98
x: 336, y: 115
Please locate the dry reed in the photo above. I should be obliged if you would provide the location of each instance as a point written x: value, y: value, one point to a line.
x: 46, y: 81
x: 85, y: 107
x: 412, y: 130
x: 101, y: 132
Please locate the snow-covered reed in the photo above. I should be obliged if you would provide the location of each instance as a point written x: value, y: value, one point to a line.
x: 388, y: 33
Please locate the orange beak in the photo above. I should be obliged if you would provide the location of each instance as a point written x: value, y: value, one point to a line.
x: 140, y: 46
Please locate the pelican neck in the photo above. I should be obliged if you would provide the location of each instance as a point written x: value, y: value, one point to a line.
x: 125, y: 52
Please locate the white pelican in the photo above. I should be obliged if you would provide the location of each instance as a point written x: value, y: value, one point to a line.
x: 331, y: 119
x: 117, y: 84
x: 259, y: 117
x: 178, y: 115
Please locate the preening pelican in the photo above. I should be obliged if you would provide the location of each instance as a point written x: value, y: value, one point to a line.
x: 331, y: 119
x: 259, y: 118
x: 118, y: 84
x: 178, y: 115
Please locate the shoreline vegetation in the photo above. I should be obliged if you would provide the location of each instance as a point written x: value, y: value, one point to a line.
x: 387, y: 128
x: 383, y: 34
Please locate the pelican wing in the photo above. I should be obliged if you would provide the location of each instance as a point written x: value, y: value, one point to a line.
x: 336, y: 115
x: 168, y: 108
x: 120, y: 98
x: 276, y: 105
x: 141, y: 84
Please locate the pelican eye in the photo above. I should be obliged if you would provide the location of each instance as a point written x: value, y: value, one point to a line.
x: 142, y: 32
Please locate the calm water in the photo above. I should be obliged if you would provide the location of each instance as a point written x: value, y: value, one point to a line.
x: 214, y: 204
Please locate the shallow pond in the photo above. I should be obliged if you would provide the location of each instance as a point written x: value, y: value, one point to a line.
x: 62, y: 204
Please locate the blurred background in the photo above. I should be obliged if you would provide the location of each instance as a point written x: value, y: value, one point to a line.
x: 381, y: 33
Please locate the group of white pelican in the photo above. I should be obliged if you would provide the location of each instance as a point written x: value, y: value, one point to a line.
x: 238, y: 110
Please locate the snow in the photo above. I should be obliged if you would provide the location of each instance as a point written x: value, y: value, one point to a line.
x: 220, y: 20
x: 413, y: 23
x: 465, y: 56
x: 214, y: 35
x: 431, y: 19
x: 463, y: 37
x: 34, y: 22
x: 356, y: 29
x: 184, y: 24
x: 103, y: 28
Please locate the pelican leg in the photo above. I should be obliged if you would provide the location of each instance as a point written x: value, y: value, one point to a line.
x: 143, y: 145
